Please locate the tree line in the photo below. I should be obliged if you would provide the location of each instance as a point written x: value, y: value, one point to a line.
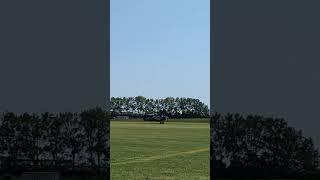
x: 171, y: 107
x: 240, y: 145
x: 255, y: 145
x: 48, y: 139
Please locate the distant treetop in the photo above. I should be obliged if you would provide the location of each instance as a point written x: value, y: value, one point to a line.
x: 178, y: 107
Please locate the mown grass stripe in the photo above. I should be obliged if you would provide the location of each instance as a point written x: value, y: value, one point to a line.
x: 152, y: 158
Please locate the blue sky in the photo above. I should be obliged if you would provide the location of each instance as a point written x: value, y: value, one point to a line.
x: 160, y: 48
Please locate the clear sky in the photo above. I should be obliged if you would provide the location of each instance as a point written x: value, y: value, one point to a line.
x: 160, y: 48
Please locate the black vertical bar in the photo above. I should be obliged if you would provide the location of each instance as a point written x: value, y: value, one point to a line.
x: 107, y: 51
x: 213, y: 29
x: 107, y: 24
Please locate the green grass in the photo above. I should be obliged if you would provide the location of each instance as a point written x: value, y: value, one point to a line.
x: 178, y: 149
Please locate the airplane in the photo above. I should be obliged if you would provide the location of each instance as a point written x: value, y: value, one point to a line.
x: 155, y: 117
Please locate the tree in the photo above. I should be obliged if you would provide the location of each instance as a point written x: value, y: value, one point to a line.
x: 73, y: 135
x: 54, y: 137
x: 10, y: 144
x: 27, y: 139
x: 267, y: 145
x: 173, y: 107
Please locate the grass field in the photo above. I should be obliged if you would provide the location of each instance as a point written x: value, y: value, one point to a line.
x: 178, y: 149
